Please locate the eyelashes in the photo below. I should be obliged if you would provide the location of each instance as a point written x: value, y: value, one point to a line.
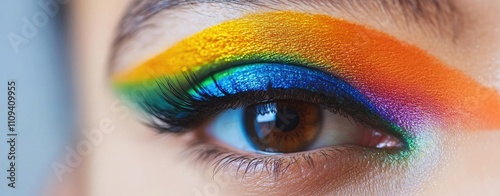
x: 185, y: 102
x: 221, y: 160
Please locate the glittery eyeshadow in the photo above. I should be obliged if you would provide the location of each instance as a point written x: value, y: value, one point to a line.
x: 261, y: 77
x: 403, y: 83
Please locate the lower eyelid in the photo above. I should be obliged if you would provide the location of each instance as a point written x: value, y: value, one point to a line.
x: 333, y: 169
x: 225, y: 159
x: 336, y: 167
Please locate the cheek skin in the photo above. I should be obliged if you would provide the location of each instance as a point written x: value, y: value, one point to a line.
x: 470, y: 165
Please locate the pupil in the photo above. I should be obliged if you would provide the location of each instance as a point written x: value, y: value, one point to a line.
x: 287, y: 120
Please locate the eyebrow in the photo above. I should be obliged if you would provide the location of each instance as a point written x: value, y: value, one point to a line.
x: 438, y: 16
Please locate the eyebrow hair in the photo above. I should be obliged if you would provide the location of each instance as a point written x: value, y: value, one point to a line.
x: 442, y: 16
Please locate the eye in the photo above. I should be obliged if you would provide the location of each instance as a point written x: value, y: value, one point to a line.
x: 287, y: 126
x: 298, y: 101
x: 272, y: 108
x: 239, y: 91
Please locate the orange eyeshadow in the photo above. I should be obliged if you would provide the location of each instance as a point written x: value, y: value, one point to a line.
x: 404, y: 83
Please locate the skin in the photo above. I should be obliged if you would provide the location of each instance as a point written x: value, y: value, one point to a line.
x: 135, y: 160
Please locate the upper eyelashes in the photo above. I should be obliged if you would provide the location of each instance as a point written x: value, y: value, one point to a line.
x: 406, y: 85
x: 253, y: 84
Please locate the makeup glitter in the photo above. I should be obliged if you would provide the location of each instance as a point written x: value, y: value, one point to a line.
x: 411, y: 88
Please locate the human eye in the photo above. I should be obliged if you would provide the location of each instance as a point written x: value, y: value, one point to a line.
x: 286, y: 91
x: 228, y: 91
x: 275, y: 114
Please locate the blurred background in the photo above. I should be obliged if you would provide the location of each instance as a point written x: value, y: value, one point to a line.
x: 34, y: 52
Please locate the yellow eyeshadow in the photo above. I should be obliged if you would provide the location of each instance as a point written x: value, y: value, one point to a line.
x: 399, y: 78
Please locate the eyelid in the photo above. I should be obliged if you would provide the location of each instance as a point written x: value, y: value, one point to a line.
x: 413, y: 88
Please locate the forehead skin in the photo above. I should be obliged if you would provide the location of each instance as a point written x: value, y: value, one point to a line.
x: 472, y: 166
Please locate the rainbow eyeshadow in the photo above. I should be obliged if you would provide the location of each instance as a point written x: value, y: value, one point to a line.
x: 280, y: 50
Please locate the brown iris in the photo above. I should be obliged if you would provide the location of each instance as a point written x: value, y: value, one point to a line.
x: 282, y: 126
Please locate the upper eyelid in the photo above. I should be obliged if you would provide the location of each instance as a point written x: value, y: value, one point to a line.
x: 438, y: 17
x: 397, y: 94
